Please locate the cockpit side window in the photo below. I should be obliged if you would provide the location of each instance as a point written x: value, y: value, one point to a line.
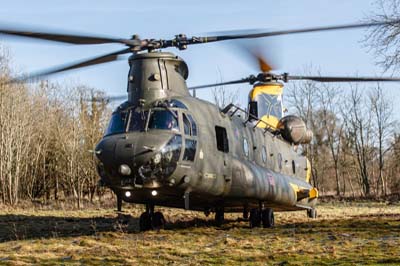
x: 194, y: 127
x: 163, y: 119
x: 186, y: 124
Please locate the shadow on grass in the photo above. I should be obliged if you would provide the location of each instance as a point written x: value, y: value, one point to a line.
x: 24, y: 227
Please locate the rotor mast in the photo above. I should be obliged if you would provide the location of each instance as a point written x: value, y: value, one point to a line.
x: 156, y: 75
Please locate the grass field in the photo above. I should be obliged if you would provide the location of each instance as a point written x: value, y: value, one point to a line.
x: 344, y: 234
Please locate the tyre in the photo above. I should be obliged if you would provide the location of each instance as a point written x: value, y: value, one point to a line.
x: 158, y: 221
x: 255, y: 218
x: 312, y: 213
x: 267, y: 217
x: 145, y: 222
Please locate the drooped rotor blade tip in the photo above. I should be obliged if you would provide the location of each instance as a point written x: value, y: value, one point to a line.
x: 60, y: 36
x: 110, y: 57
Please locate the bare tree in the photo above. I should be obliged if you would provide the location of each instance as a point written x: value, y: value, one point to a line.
x: 329, y: 101
x: 358, y: 126
x: 382, y: 110
x: 384, y: 40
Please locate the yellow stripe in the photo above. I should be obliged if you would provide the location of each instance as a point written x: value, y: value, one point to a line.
x: 268, y: 88
x: 308, y: 173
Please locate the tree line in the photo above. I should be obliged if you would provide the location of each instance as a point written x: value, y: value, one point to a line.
x: 48, y: 131
x: 354, y: 151
x: 47, y: 135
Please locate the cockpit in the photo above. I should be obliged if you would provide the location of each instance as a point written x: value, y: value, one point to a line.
x: 162, y: 135
x: 161, y: 116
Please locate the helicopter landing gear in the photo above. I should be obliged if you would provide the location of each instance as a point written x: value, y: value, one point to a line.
x: 119, y: 202
x: 312, y: 213
x: 219, y: 216
x: 264, y: 216
x: 267, y: 218
x: 245, y: 213
x: 151, y: 220
x: 255, y: 218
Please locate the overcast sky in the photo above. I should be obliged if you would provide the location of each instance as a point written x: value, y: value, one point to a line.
x: 334, y: 53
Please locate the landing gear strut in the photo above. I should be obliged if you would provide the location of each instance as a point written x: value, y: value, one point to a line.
x: 151, y: 220
x: 119, y: 202
x: 219, y: 216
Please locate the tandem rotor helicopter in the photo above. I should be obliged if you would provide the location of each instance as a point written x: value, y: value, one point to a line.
x: 164, y: 147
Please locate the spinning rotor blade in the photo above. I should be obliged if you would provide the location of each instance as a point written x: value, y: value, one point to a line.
x: 245, y: 80
x: 108, y: 99
x: 268, y: 77
x: 64, y: 38
x: 287, y: 32
x: 87, y: 62
x: 180, y: 41
x: 343, y: 79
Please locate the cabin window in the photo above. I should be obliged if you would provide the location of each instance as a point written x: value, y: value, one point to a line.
x: 222, y: 139
x: 280, y: 161
x: 190, y: 150
x: 294, y: 167
x: 264, y: 154
x: 246, y: 147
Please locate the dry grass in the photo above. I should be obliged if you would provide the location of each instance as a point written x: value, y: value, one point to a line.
x: 344, y: 234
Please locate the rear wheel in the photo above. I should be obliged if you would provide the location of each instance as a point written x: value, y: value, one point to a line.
x: 255, y: 218
x: 267, y: 217
x: 312, y: 213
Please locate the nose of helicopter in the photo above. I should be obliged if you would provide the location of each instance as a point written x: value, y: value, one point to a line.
x: 144, y: 156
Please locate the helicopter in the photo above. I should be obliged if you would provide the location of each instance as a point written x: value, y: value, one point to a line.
x: 164, y: 147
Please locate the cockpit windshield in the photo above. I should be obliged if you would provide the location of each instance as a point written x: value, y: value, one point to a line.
x: 137, y: 120
x: 117, y: 123
x: 164, y: 119
x: 130, y: 120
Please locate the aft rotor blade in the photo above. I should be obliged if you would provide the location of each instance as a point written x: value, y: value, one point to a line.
x: 344, y: 79
x: 84, y: 63
x: 245, y: 80
x: 61, y: 37
x: 287, y: 32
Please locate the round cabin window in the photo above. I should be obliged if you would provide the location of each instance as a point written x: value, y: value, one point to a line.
x: 264, y: 154
x: 246, y: 147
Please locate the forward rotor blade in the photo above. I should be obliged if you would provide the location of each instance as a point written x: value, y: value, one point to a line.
x: 108, y: 99
x: 64, y: 38
x: 245, y: 80
x: 84, y: 63
x: 287, y: 32
x: 343, y: 79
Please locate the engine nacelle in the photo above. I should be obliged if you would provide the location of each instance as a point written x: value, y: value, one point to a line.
x: 294, y: 130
